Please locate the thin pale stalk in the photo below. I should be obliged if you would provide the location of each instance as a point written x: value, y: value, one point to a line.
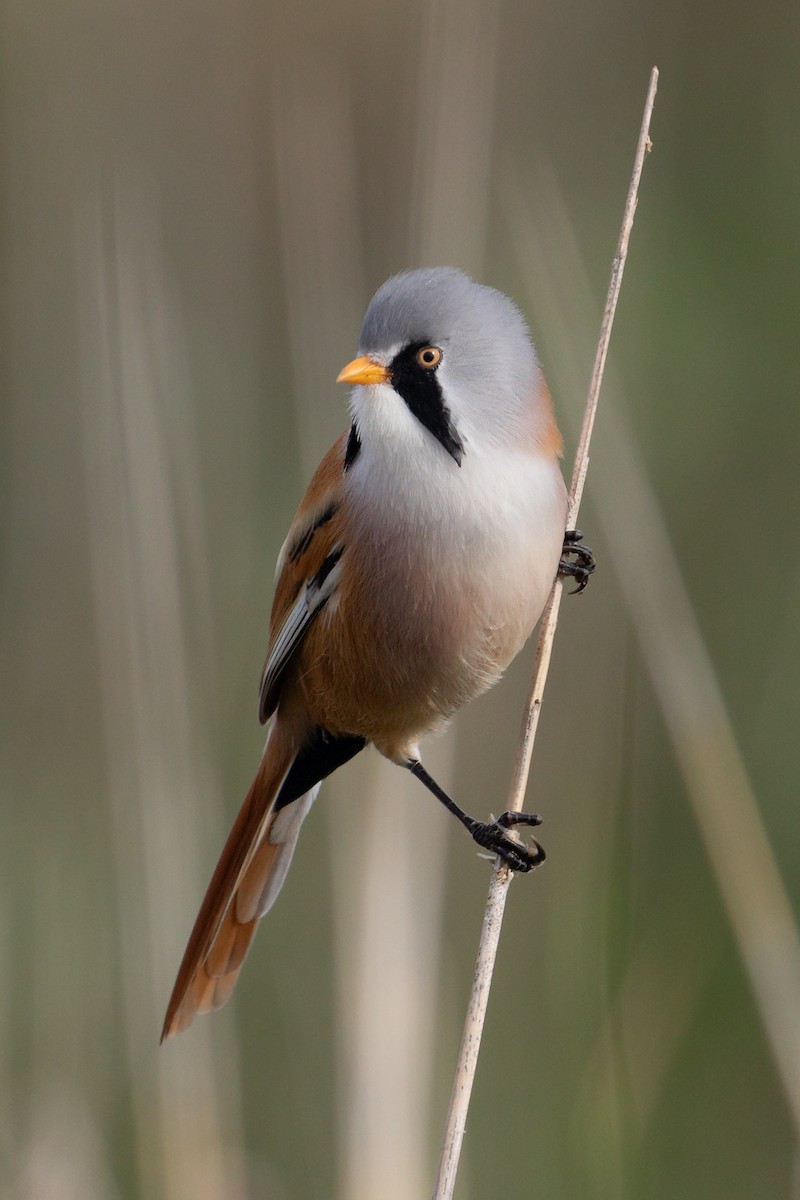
x: 501, y: 877
x: 684, y: 679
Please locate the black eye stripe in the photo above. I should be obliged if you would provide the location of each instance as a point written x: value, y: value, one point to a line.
x: 419, y: 387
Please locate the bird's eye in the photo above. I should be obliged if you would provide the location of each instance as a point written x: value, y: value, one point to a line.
x: 429, y: 357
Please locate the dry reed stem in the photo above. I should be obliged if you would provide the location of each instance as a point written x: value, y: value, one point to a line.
x: 683, y: 678
x: 501, y: 877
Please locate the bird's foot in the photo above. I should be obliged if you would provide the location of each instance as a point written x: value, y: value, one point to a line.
x: 494, y: 836
x: 576, y: 561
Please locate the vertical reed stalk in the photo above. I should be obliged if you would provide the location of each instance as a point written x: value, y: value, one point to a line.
x: 501, y: 878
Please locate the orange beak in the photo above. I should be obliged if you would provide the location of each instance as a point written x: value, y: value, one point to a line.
x: 363, y: 370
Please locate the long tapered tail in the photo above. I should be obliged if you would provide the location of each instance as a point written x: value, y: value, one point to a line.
x: 252, y: 865
x: 252, y: 868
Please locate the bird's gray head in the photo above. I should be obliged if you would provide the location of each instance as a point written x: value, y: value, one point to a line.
x: 457, y: 354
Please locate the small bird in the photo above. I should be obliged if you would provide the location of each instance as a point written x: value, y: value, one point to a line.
x: 417, y: 565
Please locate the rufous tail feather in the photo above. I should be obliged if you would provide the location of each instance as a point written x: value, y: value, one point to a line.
x: 246, y: 880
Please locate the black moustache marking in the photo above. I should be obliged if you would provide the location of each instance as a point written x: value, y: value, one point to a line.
x: 420, y: 389
x: 353, y: 448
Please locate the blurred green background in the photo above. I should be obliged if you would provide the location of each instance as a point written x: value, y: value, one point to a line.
x: 198, y: 200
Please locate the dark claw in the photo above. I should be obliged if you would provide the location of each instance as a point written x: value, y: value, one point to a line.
x: 492, y: 836
x: 577, y: 561
x: 509, y: 819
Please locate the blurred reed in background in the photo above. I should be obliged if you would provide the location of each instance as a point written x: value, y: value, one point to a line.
x: 198, y: 202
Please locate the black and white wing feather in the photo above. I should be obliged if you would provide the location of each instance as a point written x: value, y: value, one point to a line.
x: 314, y: 594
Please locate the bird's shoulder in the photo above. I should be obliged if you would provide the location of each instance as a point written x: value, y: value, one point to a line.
x: 547, y: 438
x: 314, y: 531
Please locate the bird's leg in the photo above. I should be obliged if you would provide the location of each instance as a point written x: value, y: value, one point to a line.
x: 491, y: 835
x: 576, y: 561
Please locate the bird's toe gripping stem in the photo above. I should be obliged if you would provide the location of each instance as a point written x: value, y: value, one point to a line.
x: 577, y: 561
x: 493, y: 836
